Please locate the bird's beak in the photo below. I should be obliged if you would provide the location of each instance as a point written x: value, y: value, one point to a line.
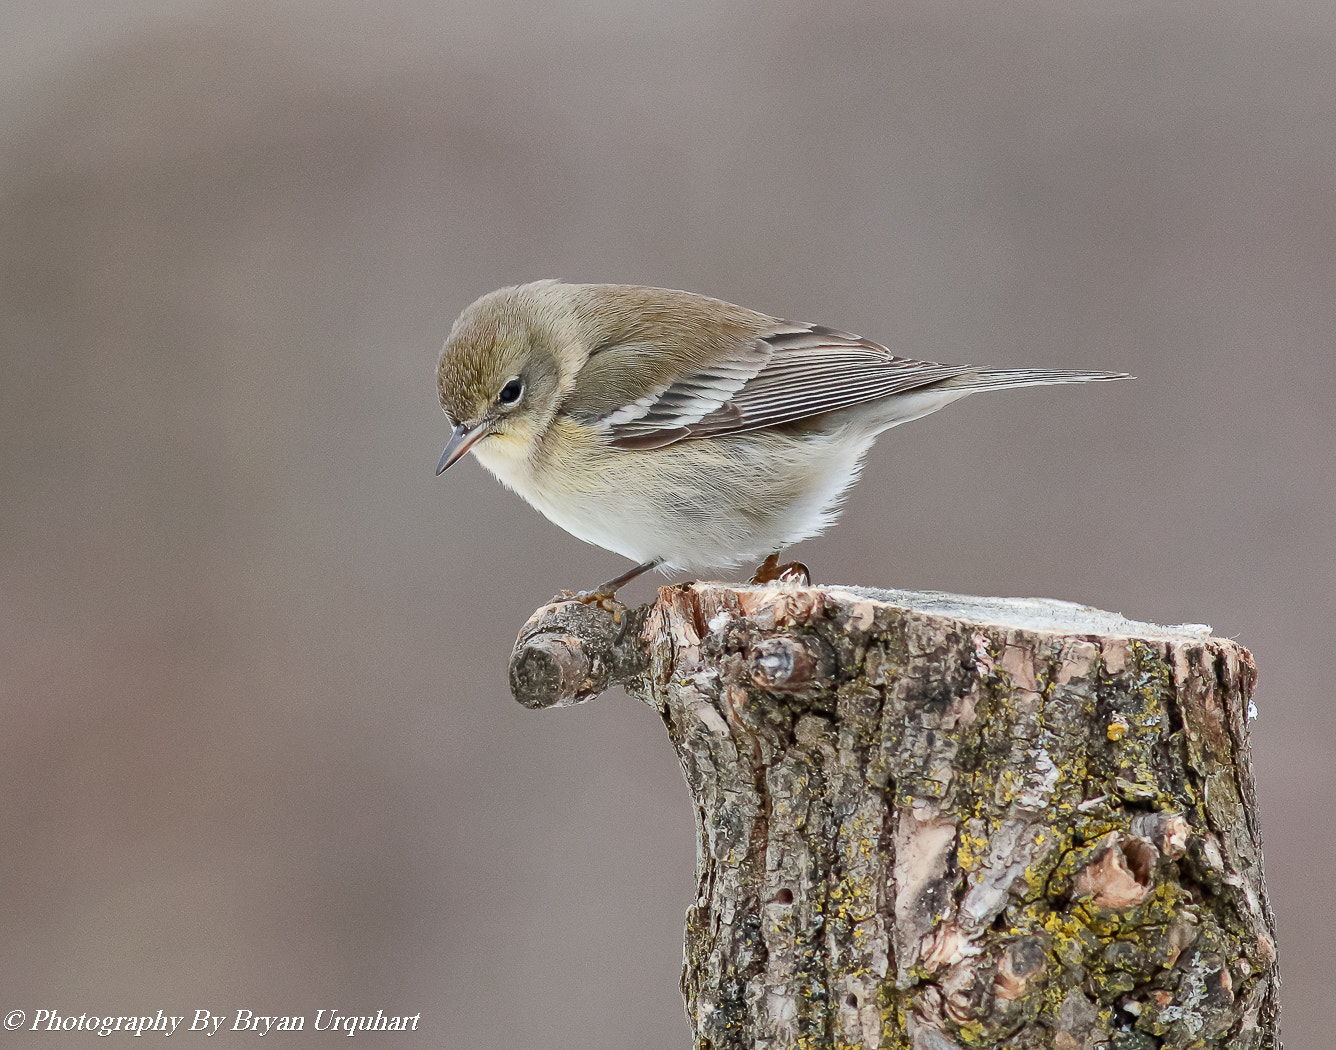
x: 460, y: 442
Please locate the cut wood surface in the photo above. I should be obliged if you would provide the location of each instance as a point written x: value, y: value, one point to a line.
x: 938, y: 822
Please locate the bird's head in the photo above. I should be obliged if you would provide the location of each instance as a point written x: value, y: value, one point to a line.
x: 504, y: 369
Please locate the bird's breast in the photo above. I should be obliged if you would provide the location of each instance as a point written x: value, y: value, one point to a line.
x: 696, y: 503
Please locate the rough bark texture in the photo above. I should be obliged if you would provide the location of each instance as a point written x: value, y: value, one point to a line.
x: 934, y: 822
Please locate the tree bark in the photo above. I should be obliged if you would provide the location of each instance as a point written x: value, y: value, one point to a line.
x: 935, y: 822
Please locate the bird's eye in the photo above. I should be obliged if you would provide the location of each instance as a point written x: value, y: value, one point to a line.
x: 510, y: 393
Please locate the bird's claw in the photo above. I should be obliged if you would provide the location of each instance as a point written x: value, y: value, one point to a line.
x: 605, y: 600
x: 770, y: 571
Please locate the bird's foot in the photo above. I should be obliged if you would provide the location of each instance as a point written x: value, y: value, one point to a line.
x: 770, y: 571
x: 604, y: 595
x: 599, y: 597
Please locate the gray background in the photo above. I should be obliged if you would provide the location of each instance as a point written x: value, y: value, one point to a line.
x: 257, y: 748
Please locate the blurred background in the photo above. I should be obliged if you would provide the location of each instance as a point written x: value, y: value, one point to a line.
x: 258, y: 749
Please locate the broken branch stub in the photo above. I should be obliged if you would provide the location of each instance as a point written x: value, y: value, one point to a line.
x: 928, y: 821
x: 569, y: 652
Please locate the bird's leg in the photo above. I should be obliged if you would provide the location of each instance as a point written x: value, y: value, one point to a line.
x: 770, y: 571
x: 604, y: 595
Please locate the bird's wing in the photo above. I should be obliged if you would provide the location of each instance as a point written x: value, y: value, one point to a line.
x: 792, y: 372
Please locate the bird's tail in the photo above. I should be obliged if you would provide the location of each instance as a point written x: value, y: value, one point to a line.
x: 1002, y: 378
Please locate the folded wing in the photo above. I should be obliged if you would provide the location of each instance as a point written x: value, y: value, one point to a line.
x: 794, y: 372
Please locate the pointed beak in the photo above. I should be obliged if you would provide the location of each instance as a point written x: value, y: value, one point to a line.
x: 460, y: 442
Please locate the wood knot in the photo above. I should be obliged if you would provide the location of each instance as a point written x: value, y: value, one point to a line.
x: 788, y: 663
x: 1122, y: 873
x: 1023, y: 961
x: 1168, y: 830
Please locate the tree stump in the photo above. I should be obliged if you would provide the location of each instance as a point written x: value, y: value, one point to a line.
x: 934, y: 822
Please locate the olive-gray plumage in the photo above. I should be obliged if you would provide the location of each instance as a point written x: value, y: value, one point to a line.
x: 676, y: 429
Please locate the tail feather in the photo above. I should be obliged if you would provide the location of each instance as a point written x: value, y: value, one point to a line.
x: 1002, y: 378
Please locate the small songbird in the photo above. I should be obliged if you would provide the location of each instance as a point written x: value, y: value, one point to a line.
x: 680, y: 431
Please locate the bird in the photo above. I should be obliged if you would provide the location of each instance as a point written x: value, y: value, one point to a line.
x: 678, y: 430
